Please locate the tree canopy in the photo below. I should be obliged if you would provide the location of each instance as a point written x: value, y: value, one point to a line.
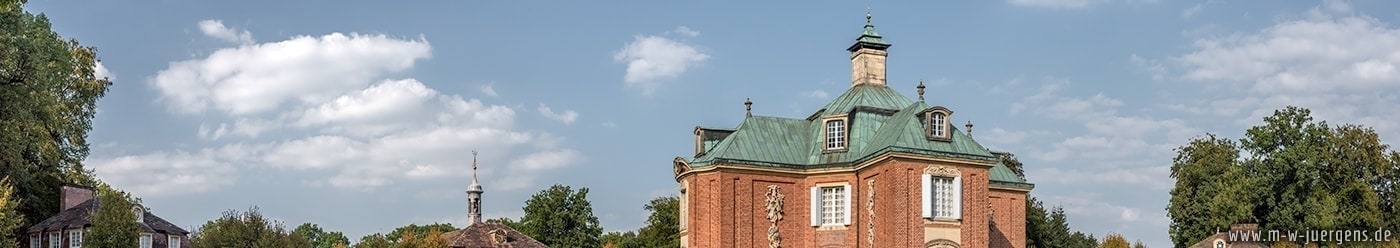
x: 114, y: 223
x: 560, y: 217
x: 1048, y: 228
x: 247, y: 230
x: 1289, y: 173
x: 48, y: 96
x: 10, y: 219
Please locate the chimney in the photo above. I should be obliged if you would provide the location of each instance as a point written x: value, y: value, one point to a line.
x: 74, y: 195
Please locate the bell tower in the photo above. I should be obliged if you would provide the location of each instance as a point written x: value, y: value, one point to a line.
x: 474, y: 197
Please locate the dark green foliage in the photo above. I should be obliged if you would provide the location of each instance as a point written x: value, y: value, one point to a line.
x: 663, y: 225
x: 561, y: 217
x: 246, y: 230
x: 419, y: 231
x: 373, y: 241
x: 626, y: 239
x: 48, y: 96
x: 319, y: 238
x: 114, y: 224
x: 1297, y: 174
x: 1050, y: 228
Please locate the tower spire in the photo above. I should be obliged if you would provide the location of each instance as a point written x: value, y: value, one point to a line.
x: 868, y: 56
x: 474, y: 196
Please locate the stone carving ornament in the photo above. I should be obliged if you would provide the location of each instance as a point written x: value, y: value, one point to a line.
x: 870, y: 210
x: 942, y: 171
x: 774, y: 205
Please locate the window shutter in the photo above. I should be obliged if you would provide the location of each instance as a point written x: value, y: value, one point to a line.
x: 816, y: 206
x: 849, y: 204
x: 957, y: 197
x: 927, y: 195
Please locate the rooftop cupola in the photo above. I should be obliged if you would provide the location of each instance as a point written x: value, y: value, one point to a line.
x: 474, y: 197
x: 868, y: 56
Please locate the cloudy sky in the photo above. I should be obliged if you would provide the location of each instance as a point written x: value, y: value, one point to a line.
x: 361, y: 116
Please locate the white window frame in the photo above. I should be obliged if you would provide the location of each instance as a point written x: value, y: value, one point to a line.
x: 75, y: 238
x: 833, y: 199
x: 55, y: 239
x: 938, y: 124
x: 145, y: 241
x: 35, y: 240
x: 931, y: 202
x: 685, y: 210
x: 172, y: 241
x: 835, y: 136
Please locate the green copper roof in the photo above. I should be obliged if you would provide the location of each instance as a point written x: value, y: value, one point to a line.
x: 869, y: 38
x: 879, y: 121
x: 868, y: 95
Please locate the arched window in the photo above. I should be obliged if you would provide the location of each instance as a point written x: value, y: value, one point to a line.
x: 938, y: 125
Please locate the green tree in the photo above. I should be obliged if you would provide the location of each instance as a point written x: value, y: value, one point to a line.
x: 318, y: 237
x: 1209, y: 193
x: 434, y: 239
x: 409, y: 239
x: 626, y: 239
x: 373, y: 241
x: 418, y: 231
x: 663, y: 225
x: 1290, y: 173
x: 1049, y: 228
x: 114, y: 222
x: 1114, y: 240
x: 245, y: 230
x: 10, y: 219
x: 561, y: 217
x: 48, y: 95
x: 1139, y: 244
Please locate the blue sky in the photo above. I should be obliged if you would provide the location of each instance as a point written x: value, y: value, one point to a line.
x: 360, y: 116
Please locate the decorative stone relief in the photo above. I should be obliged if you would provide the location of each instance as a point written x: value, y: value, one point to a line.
x: 774, y: 205
x: 942, y: 243
x: 942, y: 171
x: 870, y: 210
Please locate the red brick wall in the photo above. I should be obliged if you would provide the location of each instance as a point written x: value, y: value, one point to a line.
x: 726, y: 208
x: 1010, y: 218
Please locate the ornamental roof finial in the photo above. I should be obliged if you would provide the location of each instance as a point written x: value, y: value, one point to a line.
x: 921, y: 89
x: 748, y: 107
x: 969, y: 128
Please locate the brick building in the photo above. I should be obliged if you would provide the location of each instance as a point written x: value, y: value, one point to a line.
x: 871, y: 168
x: 73, y: 222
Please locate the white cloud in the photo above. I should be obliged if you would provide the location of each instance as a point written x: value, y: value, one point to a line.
x: 525, y: 169
x: 306, y: 70
x: 817, y: 93
x: 1153, y: 67
x: 100, y: 71
x: 1192, y: 11
x: 653, y: 58
x: 172, y: 173
x: 217, y: 30
x: 1057, y: 4
x: 382, y: 108
x: 567, y: 117
x: 1339, y: 63
x: 489, y: 89
x: 686, y: 31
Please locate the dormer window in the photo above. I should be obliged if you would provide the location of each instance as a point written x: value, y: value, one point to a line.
x: 835, y: 134
x: 937, y: 120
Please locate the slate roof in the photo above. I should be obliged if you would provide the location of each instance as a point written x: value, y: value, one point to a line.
x: 880, y: 120
x: 479, y: 235
x: 77, y: 217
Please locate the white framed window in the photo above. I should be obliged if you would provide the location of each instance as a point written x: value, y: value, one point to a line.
x: 685, y: 210
x: 835, y: 134
x: 34, y: 241
x: 831, y: 205
x: 55, y: 239
x: 938, y: 125
x: 145, y: 241
x: 75, y: 238
x: 174, y: 241
x: 942, y: 198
